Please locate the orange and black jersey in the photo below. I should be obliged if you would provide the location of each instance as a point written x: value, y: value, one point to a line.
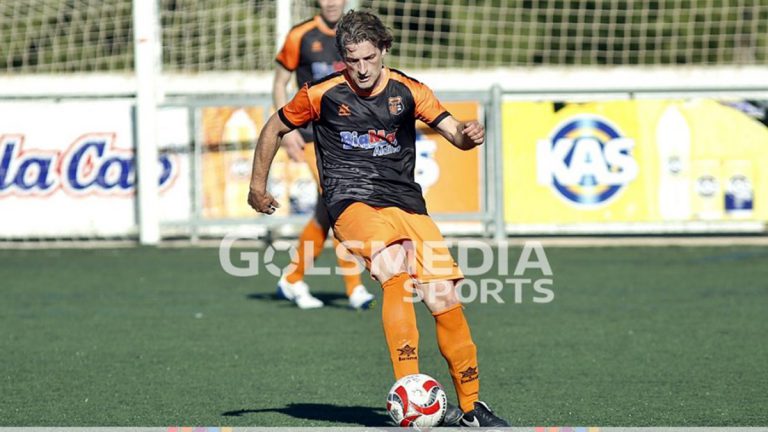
x: 366, y: 144
x: 310, y: 51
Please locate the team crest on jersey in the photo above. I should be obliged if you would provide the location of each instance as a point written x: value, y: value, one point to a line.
x: 317, y: 46
x: 396, y: 105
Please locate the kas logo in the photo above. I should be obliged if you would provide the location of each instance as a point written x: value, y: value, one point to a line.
x: 90, y: 165
x: 587, y: 160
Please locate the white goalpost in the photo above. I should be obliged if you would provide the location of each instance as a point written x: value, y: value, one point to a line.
x: 146, y: 25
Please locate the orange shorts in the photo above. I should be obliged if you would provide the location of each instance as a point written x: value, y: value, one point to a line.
x: 366, y: 230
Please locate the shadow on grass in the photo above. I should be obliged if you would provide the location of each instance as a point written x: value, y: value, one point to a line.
x: 356, y: 415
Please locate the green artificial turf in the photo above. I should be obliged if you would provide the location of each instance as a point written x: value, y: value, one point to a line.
x: 654, y: 336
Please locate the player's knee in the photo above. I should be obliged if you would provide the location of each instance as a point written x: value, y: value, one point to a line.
x: 439, y: 295
x: 390, y: 261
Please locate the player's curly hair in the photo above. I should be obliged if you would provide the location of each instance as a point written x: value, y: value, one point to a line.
x: 360, y: 26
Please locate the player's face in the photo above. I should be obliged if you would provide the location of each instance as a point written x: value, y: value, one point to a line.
x: 364, y: 63
x: 332, y: 10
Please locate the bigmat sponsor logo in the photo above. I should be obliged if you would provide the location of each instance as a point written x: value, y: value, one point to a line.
x: 587, y: 160
x: 92, y: 164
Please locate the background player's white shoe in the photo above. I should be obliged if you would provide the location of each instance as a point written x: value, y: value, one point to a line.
x: 361, y: 298
x: 298, y: 293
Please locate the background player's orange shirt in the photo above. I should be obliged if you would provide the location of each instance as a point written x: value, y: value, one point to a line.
x: 366, y: 145
x: 310, y: 50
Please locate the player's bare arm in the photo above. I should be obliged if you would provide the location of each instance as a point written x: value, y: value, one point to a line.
x: 265, y: 151
x: 463, y: 135
x: 279, y: 85
x: 292, y: 142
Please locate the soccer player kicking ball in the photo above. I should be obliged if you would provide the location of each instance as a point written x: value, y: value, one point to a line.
x: 364, y: 121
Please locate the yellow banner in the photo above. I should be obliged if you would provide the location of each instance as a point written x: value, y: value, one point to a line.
x: 633, y: 161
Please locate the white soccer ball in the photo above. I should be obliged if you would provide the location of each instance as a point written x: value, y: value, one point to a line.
x: 417, y: 401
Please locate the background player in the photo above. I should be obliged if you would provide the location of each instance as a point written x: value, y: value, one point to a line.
x: 309, y: 50
x: 364, y: 119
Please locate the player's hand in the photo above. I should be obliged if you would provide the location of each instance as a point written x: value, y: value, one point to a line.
x: 294, y: 144
x: 262, y: 201
x: 474, y: 131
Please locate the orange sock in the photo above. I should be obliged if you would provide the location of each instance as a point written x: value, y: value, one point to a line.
x: 460, y: 352
x: 399, y: 319
x: 349, y: 264
x: 311, y: 241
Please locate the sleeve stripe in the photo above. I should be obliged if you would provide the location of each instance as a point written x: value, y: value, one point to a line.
x: 438, y: 119
x: 280, y: 62
x: 285, y: 119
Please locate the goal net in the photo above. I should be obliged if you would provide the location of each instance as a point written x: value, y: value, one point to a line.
x: 58, y: 51
x: 472, y: 34
x: 61, y: 36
